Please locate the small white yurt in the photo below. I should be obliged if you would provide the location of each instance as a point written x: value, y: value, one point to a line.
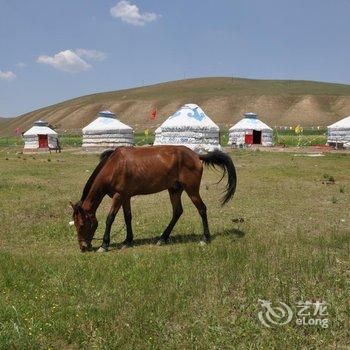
x: 189, y: 126
x: 40, y: 138
x: 107, y: 132
x: 250, y: 131
x: 339, y: 134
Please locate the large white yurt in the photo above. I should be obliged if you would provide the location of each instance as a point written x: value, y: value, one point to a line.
x: 107, y: 132
x: 339, y: 134
x: 189, y: 126
x: 250, y: 131
x: 40, y: 138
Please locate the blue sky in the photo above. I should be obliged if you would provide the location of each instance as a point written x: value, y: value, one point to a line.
x: 54, y: 50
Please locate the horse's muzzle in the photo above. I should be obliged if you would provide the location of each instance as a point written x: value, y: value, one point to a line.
x: 85, y: 247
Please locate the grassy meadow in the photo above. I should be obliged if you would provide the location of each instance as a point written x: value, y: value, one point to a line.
x: 284, y: 237
x: 287, y: 138
x: 73, y: 140
x: 309, y: 137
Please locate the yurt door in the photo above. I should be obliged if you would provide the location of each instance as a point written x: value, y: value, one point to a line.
x: 248, y: 139
x: 43, y: 143
x: 256, y: 137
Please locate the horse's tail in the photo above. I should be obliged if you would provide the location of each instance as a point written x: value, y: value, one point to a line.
x: 224, y: 161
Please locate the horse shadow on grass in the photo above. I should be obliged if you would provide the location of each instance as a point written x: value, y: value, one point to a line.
x: 182, y: 239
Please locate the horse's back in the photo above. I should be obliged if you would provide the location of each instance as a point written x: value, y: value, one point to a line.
x: 155, y: 150
x: 156, y: 153
x: 152, y: 169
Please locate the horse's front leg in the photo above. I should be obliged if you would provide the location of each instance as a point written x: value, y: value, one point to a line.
x: 116, y: 204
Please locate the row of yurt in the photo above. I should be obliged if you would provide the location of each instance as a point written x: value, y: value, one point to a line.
x: 191, y: 127
x: 105, y: 132
x: 188, y: 126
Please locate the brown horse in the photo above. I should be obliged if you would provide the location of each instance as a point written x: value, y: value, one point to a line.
x: 127, y: 172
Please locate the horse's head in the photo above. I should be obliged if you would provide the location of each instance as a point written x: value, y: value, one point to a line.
x: 85, y: 224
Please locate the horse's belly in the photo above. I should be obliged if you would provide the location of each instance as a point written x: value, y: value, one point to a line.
x: 150, y: 176
x: 152, y: 189
x: 152, y: 186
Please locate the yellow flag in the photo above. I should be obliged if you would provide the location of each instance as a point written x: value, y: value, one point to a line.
x: 146, y: 132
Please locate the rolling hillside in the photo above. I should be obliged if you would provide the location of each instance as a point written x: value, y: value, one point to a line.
x: 3, y: 121
x: 278, y: 102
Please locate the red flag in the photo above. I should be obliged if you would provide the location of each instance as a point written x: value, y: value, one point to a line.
x: 153, y: 115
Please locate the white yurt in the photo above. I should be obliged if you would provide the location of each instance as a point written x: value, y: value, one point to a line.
x: 339, y: 134
x: 40, y: 138
x: 189, y: 126
x: 250, y: 131
x: 107, y: 132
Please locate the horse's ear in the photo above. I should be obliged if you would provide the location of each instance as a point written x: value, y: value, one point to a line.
x: 76, y: 207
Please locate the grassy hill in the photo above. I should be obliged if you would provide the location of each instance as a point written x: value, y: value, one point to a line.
x: 278, y: 102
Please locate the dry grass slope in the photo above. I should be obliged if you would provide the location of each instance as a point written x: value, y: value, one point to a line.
x: 279, y: 102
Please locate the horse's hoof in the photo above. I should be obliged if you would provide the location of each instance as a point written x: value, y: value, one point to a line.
x: 125, y: 246
x: 102, y: 250
x: 161, y: 241
x: 203, y: 243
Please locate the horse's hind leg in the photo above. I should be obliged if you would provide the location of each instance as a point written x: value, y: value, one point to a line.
x: 196, y: 199
x: 175, y: 198
x: 127, y: 218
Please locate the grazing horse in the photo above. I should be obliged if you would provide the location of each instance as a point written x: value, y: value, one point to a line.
x: 127, y: 172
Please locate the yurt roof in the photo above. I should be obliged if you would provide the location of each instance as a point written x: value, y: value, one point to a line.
x: 341, y: 124
x: 189, y: 116
x: 40, y: 127
x: 250, y: 121
x: 106, y: 121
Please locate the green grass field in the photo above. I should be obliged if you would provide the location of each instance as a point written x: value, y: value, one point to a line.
x: 309, y: 137
x: 286, y: 138
x: 293, y: 245
x: 71, y: 140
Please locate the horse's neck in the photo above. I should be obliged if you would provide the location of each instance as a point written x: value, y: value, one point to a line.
x: 93, y: 200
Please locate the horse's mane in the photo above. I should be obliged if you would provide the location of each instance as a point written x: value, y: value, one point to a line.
x: 103, y: 159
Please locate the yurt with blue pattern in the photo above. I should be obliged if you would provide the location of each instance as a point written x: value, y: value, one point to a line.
x: 189, y: 126
x: 107, y: 132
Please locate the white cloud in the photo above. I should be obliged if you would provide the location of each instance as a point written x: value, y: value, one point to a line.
x: 8, y: 75
x: 93, y: 54
x: 130, y: 13
x: 67, y: 61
